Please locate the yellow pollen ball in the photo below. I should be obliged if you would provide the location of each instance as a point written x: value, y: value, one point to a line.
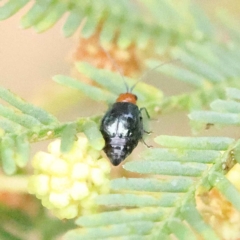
x: 54, y: 147
x: 234, y: 176
x: 80, y: 171
x: 60, y: 184
x: 39, y: 185
x: 67, y: 183
x: 97, y: 176
x: 42, y: 161
x: 59, y: 167
x: 59, y: 200
x: 68, y: 212
x: 79, y: 191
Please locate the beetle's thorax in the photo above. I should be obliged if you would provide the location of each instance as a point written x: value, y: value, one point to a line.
x: 127, y: 97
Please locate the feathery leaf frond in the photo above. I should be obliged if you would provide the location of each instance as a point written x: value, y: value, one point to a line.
x: 204, y: 67
x: 110, y: 81
x: 165, y: 200
x: 140, y: 22
x: 223, y: 112
x: 22, y: 123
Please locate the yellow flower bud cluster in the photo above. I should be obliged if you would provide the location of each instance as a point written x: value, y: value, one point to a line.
x: 234, y: 176
x: 67, y: 183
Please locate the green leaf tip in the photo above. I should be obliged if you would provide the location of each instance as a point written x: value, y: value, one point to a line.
x: 95, y: 93
x: 8, y: 155
x: 51, y: 16
x: 233, y: 93
x: 24, y: 120
x: 118, y: 230
x: 114, y: 84
x: 68, y: 136
x: 204, y: 143
x: 27, y: 108
x: 177, y: 184
x: 215, y: 117
x: 11, y: 7
x: 163, y: 168
x: 121, y: 216
x: 92, y: 132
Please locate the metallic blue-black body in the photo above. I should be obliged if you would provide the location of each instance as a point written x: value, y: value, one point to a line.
x: 122, y: 128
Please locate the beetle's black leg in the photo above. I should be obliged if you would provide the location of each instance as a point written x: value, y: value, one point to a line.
x: 144, y: 109
x: 141, y: 109
x: 147, y: 132
x: 149, y: 146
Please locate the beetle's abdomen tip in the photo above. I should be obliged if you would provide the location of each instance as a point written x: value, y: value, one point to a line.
x: 115, y: 156
x: 116, y: 162
x: 116, y: 159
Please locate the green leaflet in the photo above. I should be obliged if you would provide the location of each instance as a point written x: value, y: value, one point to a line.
x: 138, y: 227
x: 22, y: 150
x: 170, y: 168
x: 121, y: 216
x: 36, y: 13
x: 207, y: 143
x: 180, y: 155
x: 226, y: 188
x: 9, y: 126
x: 181, y: 230
x: 27, y: 108
x: 192, y: 216
x: 93, y: 92
x: 114, y: 84
x: 224, y: 112
x: 215, y: 117
x: 108, y: 29
x: 198, y: 66
x: 165, y: 22
x: 179, y: 73
x: 68, y: 136
x: 135, y: 200
x: 110, y: 81
x: 92, y: 16
x: 225, y: 106
x: 233, y: 93
x: 180, y: 184
x: 14, y: 152
x: 8, y: 155
x: 55, y: 13
x: 11, y: 7
x: 210, y: 54
x: 22, y: 119
x: 72, y: 23
x: 202, y: 22
x: 91, y: 130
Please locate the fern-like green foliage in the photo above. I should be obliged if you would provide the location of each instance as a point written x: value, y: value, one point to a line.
x: 22, y: 123
x: 163, y: 22
x: 111, y: 82
x: 161, y: 201
x: 223, y: 112
x: 19, y: 125
x: 204, y: 67
x: 155, y: 207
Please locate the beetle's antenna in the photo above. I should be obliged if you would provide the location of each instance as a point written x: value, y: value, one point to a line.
x: 116, y: 67
x: 150, y: 70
